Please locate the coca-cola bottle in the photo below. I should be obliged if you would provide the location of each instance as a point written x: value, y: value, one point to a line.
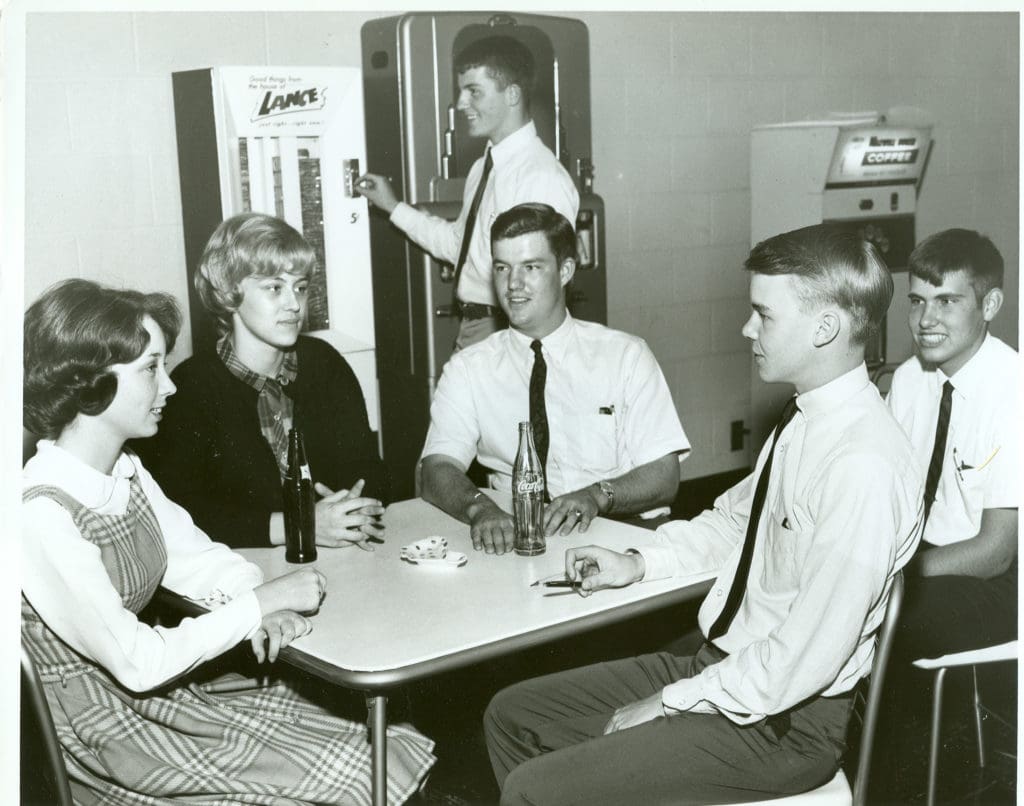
x: 528, y: 496
x: 299, y: 504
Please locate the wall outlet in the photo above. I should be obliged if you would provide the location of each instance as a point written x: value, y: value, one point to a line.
x: 736, y: 435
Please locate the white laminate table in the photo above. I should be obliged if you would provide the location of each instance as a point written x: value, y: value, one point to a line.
x: 385, y: 621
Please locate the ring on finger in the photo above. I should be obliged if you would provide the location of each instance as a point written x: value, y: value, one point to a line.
x: 579, y: 514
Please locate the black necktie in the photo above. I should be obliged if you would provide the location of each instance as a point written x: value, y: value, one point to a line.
x: 538, y: 411
x: 931, y: 484
x: 739, y: 582
x: 467, y: 234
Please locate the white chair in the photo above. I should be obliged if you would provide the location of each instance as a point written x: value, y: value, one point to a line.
x: 972, y: 658
x: 837, y: 792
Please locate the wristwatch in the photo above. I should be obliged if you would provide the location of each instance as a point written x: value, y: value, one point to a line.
x: 609, y: 491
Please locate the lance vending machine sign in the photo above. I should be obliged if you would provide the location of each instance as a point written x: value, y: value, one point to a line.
x: 290, y: 143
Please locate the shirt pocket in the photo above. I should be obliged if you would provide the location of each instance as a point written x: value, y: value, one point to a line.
x: 780, y: 552
x: 592, y: 442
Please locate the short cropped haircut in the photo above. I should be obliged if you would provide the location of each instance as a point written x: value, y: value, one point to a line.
x: 954, y: 250
x: 248, y: 245
x: 526, y: 218
x: 507, y: 60
x: 833, y: 266
x: 74, y: 333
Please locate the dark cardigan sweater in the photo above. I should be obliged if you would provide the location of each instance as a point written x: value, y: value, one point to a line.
x: 210, y: 455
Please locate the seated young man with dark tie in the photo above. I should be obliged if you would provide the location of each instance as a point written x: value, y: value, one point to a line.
x: 603, y: 418
x: 957, y: 401
x: 807, y: 546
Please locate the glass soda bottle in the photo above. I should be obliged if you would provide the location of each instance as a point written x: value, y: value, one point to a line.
x: 528, y: 496
x: 299, y: 504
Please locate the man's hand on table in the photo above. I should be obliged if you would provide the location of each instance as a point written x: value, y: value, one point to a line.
x: 600, y: 568
x: 344, y: 519
x: 570, y: 510
x: 276, y: 631
x: 636, y: 713
x: 490, y: 527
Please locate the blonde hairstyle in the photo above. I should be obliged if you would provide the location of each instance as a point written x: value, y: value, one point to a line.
x: 248, y: 245
x: 834, y: 266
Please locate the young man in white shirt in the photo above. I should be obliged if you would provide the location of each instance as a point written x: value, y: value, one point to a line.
x: 614, y: 435
x: 496, y: 76
x: 962, y: 584
x: 807, y: 546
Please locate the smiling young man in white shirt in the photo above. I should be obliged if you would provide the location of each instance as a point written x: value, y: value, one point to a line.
x: 962, y: 585
x: 807, y: 547
x: 615, y: 436
x: 495, y: 76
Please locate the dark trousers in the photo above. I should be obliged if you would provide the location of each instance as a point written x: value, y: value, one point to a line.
x: 956, y: 613
x: 546, y: 743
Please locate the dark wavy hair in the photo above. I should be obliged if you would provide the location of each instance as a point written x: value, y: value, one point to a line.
x: 535, y: 217
x: 954, y: 250
x: 834, y: 267
x: 74, y: 333
x: 507, y: 61
x: 248, y: 245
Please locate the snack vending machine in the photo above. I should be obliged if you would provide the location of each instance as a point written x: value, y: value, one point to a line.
x: 860, y: 172
x: 416, y: 137
x: 289, y: 142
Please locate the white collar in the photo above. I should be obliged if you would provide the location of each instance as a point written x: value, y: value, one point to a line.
x: 516, y: 141
x: 87, y: 485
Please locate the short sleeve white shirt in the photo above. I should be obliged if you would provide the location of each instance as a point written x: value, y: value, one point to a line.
x: 980, y: 468
x: 609, y: 408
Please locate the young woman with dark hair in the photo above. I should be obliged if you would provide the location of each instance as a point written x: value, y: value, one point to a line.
x: 99, y: 536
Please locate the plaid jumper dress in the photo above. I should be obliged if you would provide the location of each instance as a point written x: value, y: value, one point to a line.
x: 181, y: 743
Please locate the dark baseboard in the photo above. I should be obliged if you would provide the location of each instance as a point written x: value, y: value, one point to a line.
x: 696, y: 495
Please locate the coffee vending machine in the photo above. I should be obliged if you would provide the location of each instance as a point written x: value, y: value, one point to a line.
x: 415, y: 136
x: 287, y: 141
x: 861, y: 172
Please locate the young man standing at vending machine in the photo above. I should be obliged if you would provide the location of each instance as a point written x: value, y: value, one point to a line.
x: 603, y: 419
x: 495, y: 76
x: 807, y: 546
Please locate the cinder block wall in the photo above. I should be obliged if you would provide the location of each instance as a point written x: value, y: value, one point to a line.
x: 674, y: 97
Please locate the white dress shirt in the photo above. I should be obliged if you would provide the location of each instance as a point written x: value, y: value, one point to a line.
x: 66, y: 582
x: 980, y: 469
x: 840, y: 517
x: 609, y: 409
x: 524, y: 170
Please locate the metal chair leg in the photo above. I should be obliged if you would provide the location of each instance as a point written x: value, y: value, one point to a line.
x: 977, y: 718
x: 933, y: 761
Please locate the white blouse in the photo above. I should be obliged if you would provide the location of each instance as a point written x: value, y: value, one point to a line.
x: 66, y: 582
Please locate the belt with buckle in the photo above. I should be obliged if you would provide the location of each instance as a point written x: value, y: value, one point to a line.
x: 477, y: 310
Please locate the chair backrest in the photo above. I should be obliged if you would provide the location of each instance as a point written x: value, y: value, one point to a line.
x: 876, y: 686
x: 44, y: 778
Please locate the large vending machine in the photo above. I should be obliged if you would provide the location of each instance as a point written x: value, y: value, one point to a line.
x: 861, y: 172
x: 289, y: 142
x: 415, y: 136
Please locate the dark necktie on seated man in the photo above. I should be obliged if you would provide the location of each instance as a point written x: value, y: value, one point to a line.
x: 931, y: 484
x: 739, y: 582
x: 538, y: 409
x: 467, y: 233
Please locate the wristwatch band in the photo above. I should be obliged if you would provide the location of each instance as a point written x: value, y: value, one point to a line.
x: 609, y: 491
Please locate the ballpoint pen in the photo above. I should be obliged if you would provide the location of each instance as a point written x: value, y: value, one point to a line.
x: 557, y: 583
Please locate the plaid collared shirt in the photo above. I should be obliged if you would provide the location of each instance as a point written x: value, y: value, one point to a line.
x: 274, y: 407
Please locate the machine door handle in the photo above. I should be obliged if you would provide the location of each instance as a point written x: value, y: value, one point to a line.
x: 445, y: 310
